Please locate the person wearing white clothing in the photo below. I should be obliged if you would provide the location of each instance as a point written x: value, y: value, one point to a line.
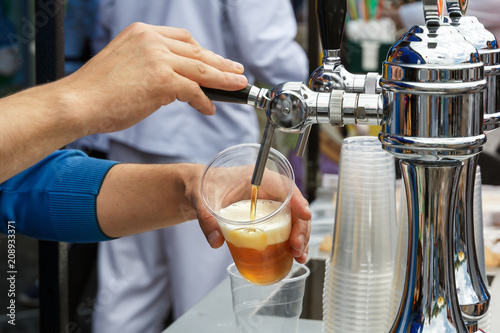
x: 142, y: 278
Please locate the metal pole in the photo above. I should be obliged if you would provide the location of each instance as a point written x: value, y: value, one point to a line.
x: 48, y: 21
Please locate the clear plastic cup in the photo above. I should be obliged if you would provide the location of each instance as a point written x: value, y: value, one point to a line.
x: 260, y: 248
x: 360, y: 270
x: 268, y: 309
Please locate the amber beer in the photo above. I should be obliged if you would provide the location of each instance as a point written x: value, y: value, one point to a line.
x: 260, y: 249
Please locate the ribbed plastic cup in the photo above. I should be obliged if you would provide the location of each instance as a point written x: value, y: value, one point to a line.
x: 274, y: 308
x: 360, y: 270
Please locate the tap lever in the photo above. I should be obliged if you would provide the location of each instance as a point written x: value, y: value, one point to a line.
x: 331, y: 19
x: 242, y: 96
x: 433, y: 12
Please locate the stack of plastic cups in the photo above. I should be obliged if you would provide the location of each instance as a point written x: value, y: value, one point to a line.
x: 485, y: 322
x: 359, y: 280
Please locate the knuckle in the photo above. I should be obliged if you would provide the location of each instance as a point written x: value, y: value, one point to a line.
x: 192, y: 87
x: 148, y: 36
x: 202, y: 69
x: 197, y: 51
x: 162, y: 76
x: 143, y: 34
x: 137, y: 27
x: 185, y: 35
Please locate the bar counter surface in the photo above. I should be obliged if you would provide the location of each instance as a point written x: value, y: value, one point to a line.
x: 214, y: 313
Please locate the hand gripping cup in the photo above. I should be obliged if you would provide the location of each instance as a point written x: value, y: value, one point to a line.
x: 260, y: 248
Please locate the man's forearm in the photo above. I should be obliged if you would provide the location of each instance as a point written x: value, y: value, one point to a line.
x: 136, y: 198
x: 143, y: 68
x: 33, y: 124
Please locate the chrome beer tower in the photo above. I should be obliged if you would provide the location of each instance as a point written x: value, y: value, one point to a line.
x: 438, y: 93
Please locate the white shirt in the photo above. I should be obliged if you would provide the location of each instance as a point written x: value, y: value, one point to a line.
x: 259, y: 34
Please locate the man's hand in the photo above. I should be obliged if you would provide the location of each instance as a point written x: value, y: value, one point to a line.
x: 301, y: 214
x: 143, y: 68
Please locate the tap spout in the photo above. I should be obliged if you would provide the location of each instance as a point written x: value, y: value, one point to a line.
x: 265, y: 147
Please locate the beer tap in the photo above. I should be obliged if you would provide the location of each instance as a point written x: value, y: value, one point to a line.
x: 471, y: 284
x: 489, y: 51
x: 430, y: 103
x: 333, y: 75
x: 434, y: 81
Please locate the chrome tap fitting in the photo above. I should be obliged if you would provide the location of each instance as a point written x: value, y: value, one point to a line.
x: 332, y: 75
x: 472, y: 291
x: 434, y: 81
x: 489, y: 51
x: 292, y: 106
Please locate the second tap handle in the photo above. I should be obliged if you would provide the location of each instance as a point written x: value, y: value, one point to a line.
x: 433, y: 12
x: 331, y: 19
x: 456, y: 8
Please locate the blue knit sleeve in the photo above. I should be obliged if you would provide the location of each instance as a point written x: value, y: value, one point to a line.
x: 56, y: 198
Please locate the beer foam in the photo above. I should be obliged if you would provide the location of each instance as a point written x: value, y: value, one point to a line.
x: 273, y: 231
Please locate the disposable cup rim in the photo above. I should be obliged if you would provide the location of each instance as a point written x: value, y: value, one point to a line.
x: 371, y: 277
x: 361, y: 295
x: 355, y: 311
x: 347, y: 178
x: 368, y: 217
x: 363, y: 173
x: 346, y: 198
x: 366, y: 140
x: 233, y: 271
x: 355, y: 290
x: 380, y: 160
x: 367, y: 175
x: 355, y: 279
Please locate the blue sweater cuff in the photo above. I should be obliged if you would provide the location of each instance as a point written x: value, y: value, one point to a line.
x: 72, y: 201
x: 56, y: 198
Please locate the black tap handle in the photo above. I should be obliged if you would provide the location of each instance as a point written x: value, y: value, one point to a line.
x: 238, y: 96
x: 331, y: 19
